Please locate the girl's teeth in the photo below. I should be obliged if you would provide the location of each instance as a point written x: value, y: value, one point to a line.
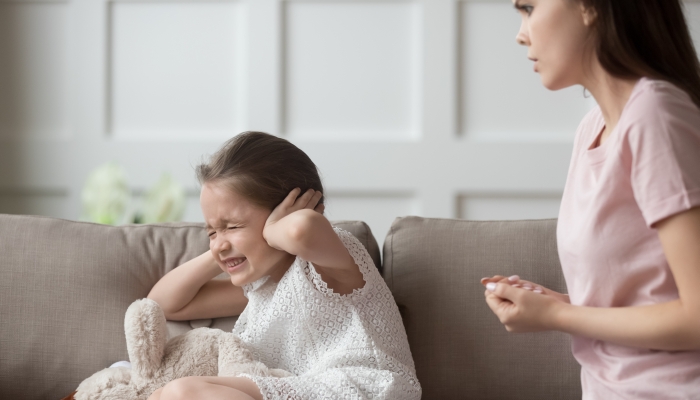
x: 234, y: 263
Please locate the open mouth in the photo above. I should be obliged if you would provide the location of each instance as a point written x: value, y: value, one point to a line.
x: 234, y: 263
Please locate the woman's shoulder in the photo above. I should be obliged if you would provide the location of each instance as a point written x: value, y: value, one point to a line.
x: 659, y: 111
x: 658, y: 101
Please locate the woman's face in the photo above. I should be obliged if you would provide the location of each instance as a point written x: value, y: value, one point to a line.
x: 555, y: 33
x: 235, y: 227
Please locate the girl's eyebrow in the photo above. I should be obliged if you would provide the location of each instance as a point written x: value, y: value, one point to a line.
x: 517, y: 5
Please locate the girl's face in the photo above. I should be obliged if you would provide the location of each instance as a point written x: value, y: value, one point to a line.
x: 235, y: 227
x: 555, y: 33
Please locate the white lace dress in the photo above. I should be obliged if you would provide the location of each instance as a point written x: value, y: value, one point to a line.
x: 338, y: 346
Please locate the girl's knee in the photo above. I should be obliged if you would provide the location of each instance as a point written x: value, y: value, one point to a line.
x: 156, y: 395
x: 181, y: 389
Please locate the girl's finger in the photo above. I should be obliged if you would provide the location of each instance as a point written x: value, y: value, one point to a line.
x: 320, y: 208
x: 313, y: 202
x: 291, y: 197
x: 303, y: 200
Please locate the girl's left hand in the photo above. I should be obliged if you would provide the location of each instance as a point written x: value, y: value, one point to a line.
x: 522, y: 310
x: 293, y: 202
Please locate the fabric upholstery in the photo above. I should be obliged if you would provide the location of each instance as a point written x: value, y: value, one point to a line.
x: 433, y: 267
x: 64, y: 289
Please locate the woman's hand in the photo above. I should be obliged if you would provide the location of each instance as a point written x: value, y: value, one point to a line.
x: 523, y: 306
x: 516, y: 282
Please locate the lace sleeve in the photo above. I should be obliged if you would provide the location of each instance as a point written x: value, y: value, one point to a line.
x: 358, y: 253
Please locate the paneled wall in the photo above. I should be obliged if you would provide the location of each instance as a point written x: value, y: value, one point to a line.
x: 423, y: 107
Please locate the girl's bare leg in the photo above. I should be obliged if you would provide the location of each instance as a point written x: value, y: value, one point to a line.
x: 209, y: 387
x: 156, y: 395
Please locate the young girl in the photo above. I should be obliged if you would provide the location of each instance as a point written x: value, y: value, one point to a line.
x: 629, y: 225
x: 309, y: 296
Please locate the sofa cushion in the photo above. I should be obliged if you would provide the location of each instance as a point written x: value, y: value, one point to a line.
x: 64, y: 289
x: 433, y: 267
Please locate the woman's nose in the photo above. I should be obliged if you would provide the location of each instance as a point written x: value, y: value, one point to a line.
x: 522, y: 37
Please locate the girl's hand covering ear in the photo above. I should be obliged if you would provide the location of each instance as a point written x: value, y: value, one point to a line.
x: 523, y: 306
x: 294, y: 202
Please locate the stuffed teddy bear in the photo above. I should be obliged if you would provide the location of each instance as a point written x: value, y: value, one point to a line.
x: 154, y: 363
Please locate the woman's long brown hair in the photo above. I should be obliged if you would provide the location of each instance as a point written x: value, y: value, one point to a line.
x: 646, y: 38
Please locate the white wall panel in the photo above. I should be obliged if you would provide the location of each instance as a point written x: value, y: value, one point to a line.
x: 502, y: 98
x: 177, y: 70
x: 352, y: 70
x: 193, y: 211
x: 508, y: 207
x: 378, y: 210
x: 34, y: 64
x: 693, y: 18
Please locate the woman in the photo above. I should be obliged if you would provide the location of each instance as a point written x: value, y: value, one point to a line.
x: 629, y: 224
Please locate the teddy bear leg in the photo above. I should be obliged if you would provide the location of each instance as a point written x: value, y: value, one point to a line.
x: 232, y: 355
x: 146, y: 334
x: 107, y: 384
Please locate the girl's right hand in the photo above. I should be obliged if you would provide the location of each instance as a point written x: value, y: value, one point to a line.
x: 516, y: 282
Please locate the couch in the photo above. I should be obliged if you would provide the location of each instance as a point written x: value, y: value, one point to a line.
x: 65, y: 285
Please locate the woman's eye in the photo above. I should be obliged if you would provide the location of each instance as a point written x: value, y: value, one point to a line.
x: 211, y: 234
x: 524, y: 9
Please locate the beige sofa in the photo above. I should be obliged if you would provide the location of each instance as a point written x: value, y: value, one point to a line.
x: 64, y: 288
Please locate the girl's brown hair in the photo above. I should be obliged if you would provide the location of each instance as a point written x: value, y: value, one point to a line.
x: 646, y: 38
x: 261, y: 167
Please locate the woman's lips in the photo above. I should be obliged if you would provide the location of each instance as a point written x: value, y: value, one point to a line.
x: 234, y: 264
x: 534, y: 66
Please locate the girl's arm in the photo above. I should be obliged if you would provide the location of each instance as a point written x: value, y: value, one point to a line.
x: 296, y: 228
x: 190, y: 292
x: 673, y: 325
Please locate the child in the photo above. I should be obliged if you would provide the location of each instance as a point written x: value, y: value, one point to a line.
x: 309, y: 297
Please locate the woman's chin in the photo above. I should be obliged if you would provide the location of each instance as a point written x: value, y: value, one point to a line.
x: 554, y: 84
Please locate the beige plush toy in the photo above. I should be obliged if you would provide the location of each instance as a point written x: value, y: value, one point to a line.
x: 154, y: 363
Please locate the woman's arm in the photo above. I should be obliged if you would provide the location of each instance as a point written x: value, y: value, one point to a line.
x: 190, y: 292
x: 296, y: 228
x: 673, y: 325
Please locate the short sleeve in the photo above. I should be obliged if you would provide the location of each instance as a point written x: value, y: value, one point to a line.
x: 664, y: 144
x: 358, y: 253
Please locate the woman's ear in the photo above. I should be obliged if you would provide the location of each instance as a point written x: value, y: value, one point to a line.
x: 589, y: 14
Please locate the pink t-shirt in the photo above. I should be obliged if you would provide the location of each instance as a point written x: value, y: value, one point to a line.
x: 648, y: 169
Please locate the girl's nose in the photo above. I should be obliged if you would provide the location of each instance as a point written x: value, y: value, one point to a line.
x: 221, y: 245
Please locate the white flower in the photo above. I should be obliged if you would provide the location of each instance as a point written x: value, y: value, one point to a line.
x: 106, y: 195
x: 165, y: 202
